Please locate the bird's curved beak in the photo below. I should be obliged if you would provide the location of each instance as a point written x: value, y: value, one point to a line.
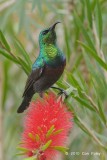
x: 53, y: 26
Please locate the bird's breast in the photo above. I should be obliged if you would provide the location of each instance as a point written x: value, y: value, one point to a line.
x: 54, y: 72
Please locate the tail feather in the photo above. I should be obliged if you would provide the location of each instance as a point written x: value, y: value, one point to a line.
x: 24, y: 104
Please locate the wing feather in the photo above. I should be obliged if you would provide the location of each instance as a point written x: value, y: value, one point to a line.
x: 33, y: 76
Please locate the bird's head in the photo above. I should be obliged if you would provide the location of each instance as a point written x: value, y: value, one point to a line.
x: 48, y: 35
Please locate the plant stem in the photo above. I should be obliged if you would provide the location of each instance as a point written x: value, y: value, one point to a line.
x: 92, y: 103
x: 91, y: 133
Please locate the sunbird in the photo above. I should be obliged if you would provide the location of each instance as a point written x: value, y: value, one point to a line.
x: 47, y: 68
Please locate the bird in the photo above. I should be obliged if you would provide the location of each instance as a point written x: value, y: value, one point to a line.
x: 47, y: 68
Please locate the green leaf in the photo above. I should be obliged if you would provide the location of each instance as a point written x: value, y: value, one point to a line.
x: 67, y: 43
x: 105, y: 148
x: 37, y: 137
x: 39, y: 128
x: 4, y: 41
x: 100, y: 21
x: 93, y: 4
x: 21, y: 62
x: 60, y: 148
x: 84, y: 103
x: 80, y: 25
x: 77, y: 63
x: 30, y: 158
x: 101, y: 111
x: 23, y: 149
x: 61, y: 85
x: 79, y: 125
x: 20, y: 154
x: 82, y: 81
x: 49, y: 5
x: 71, y: 107
x: 49, y: 132
x: 94, y: 55
x: 104, y: 158
x: 31, y: 136
x: 22, y: 15
x: 92, y: 70
x: 46, y: 145
x: 104, y: 138
x: 24, y: 65
x: 9, y: 56
x: 34, y: 4
x: 5, y: 84
x: 23, y: 52
x: 89, y: 12
x: 57, y: 132
x: 39, y: 5
x: 73, y: 80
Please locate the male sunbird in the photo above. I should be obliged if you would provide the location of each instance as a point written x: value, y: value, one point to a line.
x: 47, y: 68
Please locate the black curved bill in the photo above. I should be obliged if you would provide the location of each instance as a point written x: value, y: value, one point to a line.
x: 53, y: 26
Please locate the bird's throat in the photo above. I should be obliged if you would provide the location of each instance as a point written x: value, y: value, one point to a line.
x: 51, y: 51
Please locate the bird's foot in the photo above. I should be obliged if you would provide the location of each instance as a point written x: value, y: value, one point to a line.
x: 62, y: 91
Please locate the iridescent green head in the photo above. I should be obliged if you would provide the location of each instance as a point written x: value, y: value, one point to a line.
x: 48, y: 35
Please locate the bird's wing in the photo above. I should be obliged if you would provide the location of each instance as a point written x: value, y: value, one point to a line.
x: 33, y: 76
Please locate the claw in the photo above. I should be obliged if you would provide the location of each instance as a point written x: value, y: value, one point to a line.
x: 63, y: 92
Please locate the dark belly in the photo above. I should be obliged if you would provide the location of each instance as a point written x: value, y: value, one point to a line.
x: 49, y: 77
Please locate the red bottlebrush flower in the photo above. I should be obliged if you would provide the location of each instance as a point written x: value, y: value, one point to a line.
x: 46, y: 128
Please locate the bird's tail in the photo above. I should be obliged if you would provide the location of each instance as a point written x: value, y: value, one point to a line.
x: 24, y: 104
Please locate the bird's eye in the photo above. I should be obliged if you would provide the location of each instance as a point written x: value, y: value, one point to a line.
x: 45, y: 32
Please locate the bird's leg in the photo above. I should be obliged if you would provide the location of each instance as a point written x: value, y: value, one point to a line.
x: 61, y: 91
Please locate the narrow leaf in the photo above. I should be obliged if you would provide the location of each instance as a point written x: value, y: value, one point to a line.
x: 89, y: 12
x: 73, y: 80
x: 82, y: 80
x: 5, y: 84
x: 92, y: 70
x: 100, y: 21
x: 84, y: 103
x: 104, y: 138
x: 30, y: 158
x: 67, y: 43
x: 24, y: 66
x: 39, y: 128
x: 8, y: 56
x: 80, y: 25
x: 34, y: 4
x: 60, y: 148
x: 37, y: 137
x: 23, y: 149
x: 46, y: 145
x: 79, y: 125
x: 49, y: 132
x: 101, y: 112
x: 31, y: 136
x: 19, y: 154
x: 23, y: 52
x: 4, y: 41
x: 57, y: 132
x: 94, y: 55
